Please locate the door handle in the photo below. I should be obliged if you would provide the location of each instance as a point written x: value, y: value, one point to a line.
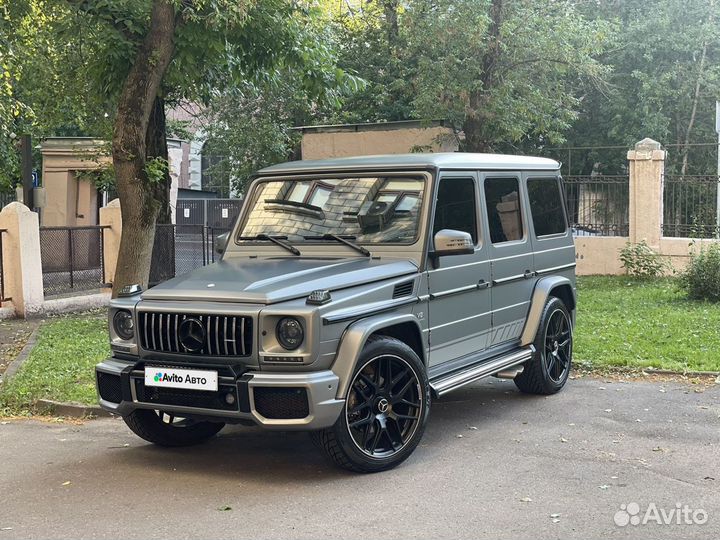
x: 528, y: 274
x: 482, y: 284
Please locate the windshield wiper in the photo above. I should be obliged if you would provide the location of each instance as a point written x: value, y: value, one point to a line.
x: 277, y: 240
x: 343, y: 240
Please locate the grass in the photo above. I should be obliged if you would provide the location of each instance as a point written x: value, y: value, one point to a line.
x: 60, y: 366
x: 623, y: 321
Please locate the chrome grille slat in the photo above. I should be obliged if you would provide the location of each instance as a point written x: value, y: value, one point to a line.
x: 234, y: 343
x: 152, y: 331
x: 242, y: 335
x: 160, y: 333
x: 225, y: 333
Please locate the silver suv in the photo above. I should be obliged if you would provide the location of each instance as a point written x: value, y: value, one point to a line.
x: 349, y: 294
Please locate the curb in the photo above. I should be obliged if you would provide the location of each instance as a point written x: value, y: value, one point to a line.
x: 72, y: 410
x: 649, y: 371
x: 15, y: 365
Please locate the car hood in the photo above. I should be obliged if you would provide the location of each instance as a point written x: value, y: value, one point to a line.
x: 272, y: 280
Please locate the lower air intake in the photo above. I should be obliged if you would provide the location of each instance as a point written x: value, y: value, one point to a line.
x: 281, y: 403
x: 109, y: 387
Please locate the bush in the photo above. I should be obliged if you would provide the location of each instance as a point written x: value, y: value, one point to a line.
x: 701, y: 278
x: 641, y: 261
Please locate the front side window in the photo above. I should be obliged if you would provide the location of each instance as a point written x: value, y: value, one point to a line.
x: 546, y: 206
x: 502, y: 196
x: 455, y: 207
x: 363, y: 209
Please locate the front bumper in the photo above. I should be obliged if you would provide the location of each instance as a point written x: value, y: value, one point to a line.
x: 303, y: 401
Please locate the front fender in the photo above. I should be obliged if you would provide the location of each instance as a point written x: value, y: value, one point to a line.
x: 353, y: 340
x: 543, y: 289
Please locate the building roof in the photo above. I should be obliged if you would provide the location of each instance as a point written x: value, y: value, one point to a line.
x: 444, y: 160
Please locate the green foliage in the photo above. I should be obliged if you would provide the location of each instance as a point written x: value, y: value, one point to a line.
x: 641, y: 323
x: 701, y: 278
x: 61, y: 365
x: 156, y: 168
x: 639, y: 260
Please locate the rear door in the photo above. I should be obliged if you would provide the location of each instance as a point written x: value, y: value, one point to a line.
x: 459, y: 285
x: 510, y: 254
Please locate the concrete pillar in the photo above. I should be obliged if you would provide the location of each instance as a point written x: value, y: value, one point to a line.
x: 647, y: 168
x: 111, y: 216
x: 21, y: 259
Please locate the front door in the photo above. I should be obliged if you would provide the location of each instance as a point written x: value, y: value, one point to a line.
x: 510, y: 253
x: 459, y: 285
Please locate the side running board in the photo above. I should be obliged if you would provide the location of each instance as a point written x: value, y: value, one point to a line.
x: 444, y: 384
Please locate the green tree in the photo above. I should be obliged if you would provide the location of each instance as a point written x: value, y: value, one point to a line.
x: 149, y: 52
x: 507, y: 72
x: 665, y: 78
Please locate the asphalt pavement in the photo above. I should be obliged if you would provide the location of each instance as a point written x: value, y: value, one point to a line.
x: 494, y: 463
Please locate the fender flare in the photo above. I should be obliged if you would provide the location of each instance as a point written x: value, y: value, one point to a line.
x: 353, y: 340
x: 542, y: 291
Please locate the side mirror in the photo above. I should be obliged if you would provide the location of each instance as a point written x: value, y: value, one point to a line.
x: 451, y: 242
x: 221, y: 242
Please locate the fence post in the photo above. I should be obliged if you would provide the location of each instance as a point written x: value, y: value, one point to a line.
x: 111, y: 217
x: 647, y: 168
x: 22, y: 263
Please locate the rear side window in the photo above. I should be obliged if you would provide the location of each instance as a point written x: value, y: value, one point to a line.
x: 455, y: 207
x: 546, y: 206
x: 502, y: 196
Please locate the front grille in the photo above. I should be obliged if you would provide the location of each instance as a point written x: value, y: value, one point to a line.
x: 278, y: 403
x: 187, y: 398
x: 109, y: 387
x: 225, y: 335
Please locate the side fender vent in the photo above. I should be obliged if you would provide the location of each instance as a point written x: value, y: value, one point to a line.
x: 403, y: 289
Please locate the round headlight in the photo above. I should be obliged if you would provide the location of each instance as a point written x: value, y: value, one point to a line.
x: 289, y: 333
x: 123, y: 325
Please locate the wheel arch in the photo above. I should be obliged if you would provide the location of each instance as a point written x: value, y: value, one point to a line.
x: 404, y: 327
x: 558, y: 286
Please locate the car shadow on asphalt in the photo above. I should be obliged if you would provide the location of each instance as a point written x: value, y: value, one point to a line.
x: 286, y: 456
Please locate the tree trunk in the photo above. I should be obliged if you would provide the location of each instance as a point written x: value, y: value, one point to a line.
x: 693, y: 112
x: 392, y: 30
x: 156, y: 147
x: 137, y: 99
x: 478, y: 119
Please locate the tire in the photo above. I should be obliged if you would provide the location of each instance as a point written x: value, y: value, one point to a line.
x: 547, y: 372
x: 385, y: 412
x: 165, y: 430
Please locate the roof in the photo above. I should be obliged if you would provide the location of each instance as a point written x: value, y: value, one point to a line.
x: 373, y: 126
x: 445, y: 160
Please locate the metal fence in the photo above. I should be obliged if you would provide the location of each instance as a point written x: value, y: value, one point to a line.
x: 6, y: 198
x: 690, y: 206
x: 598, y: 205
x: 179, y: 249
x: 215, y: 213
x: 2, y: 269
x: 72, y: 259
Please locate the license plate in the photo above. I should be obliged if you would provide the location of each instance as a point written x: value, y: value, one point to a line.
x: 189, y: 379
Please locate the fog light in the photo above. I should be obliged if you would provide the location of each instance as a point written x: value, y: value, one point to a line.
x: 230, y: 399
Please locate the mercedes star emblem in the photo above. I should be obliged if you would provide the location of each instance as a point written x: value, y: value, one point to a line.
x: 192, y: 334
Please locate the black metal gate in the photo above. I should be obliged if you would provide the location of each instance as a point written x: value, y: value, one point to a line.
x: 179, y: 249
x: 72, y: 258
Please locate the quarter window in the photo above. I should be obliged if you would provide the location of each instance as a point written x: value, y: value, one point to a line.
x: 546, y: 206
x: 502, y: 196
x: 455, y: 207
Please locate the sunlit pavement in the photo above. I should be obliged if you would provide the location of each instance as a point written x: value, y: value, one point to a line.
x: 494, y: 463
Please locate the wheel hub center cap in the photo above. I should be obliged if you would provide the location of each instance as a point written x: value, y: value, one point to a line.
x: 556, y: 346
x: 383, y: 405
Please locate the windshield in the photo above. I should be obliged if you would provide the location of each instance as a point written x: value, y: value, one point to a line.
x: 367, y: 210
